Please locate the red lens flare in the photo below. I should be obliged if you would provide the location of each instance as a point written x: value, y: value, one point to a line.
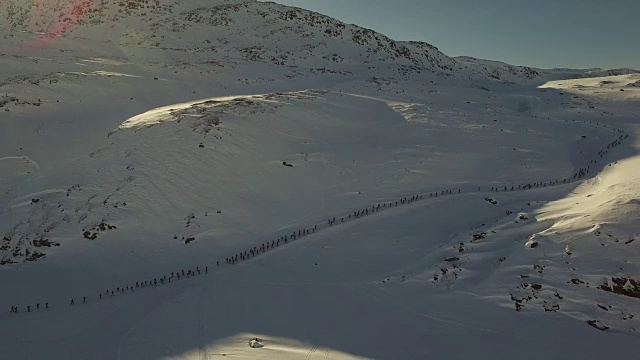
x: 54, y: 21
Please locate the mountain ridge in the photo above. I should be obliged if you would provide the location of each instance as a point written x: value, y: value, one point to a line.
x: 249, y: 30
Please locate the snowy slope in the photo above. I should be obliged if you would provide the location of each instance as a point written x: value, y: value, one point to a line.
x: 140, y: 139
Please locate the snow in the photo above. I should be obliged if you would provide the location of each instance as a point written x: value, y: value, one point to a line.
x: 140, y: 161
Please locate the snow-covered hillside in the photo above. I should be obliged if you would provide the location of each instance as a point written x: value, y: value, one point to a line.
x: 223, y: 31
x: 240, y: 178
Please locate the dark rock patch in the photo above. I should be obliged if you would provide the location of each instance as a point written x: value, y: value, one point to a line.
x: 44, y: 242
x: 622, y: 286
x: 598, y: 325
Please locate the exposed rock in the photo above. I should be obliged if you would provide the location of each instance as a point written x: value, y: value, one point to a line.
x: 598, y: 325
x: 622, y: 286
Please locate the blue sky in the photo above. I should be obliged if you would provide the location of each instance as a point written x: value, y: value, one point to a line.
x: 542, y: 33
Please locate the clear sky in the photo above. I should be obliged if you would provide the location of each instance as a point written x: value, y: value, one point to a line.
x: 541, y: 33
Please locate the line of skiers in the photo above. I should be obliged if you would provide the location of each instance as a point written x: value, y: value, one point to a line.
x: 582, y: 172
x: 269, y: 245
x: 139, y: 284
x: 262, y: 248
x: 14, y: 309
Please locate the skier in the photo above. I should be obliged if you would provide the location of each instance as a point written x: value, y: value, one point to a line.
x: 72, y: 302
x: 84, y: 299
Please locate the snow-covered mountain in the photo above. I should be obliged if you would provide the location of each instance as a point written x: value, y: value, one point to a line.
x: 248, y: 30
x: 433, y: 207
x: 235, y: 30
